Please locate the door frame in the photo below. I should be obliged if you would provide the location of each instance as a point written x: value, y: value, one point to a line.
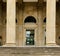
x: 30, y: 27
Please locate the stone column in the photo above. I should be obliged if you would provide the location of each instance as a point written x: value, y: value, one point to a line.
x: 11, y: 26
x: 51, y: 23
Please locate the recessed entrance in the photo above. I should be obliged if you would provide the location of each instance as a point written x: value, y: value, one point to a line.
x: 30, y: 30
x: 29, y: 37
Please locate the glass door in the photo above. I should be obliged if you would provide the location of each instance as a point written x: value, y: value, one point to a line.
x: 29, y: 37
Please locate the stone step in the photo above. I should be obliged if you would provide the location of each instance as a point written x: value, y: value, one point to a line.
x: 29, y: 51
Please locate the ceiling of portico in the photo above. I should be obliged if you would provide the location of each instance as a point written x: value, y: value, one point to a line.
x: 27, y: 0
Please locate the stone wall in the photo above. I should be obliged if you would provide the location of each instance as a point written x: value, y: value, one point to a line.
x: 30, y: 9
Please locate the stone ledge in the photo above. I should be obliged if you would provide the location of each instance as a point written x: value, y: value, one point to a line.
x: 29, y: 51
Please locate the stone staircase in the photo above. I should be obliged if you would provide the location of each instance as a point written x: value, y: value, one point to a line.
x: 29, y: 51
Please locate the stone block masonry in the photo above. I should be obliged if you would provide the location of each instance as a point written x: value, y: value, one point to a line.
x: 29, y: 51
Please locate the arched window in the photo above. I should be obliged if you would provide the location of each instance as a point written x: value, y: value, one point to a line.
x: 30, y: 19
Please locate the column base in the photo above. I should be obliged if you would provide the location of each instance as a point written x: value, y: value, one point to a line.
x: 52, y: 45
x: 10, y: 45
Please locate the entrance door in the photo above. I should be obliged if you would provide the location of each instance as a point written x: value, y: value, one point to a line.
x: 29, y: 37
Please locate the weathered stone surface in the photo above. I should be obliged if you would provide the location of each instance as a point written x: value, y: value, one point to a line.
x: 29, y: 51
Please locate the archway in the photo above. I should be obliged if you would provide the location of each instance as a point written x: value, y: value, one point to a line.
x: 30, y: 30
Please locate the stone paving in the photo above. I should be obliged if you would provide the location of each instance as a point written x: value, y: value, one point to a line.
x: 29, y: 51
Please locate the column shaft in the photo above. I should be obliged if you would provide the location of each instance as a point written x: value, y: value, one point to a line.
x: 10, y: 27
x: 51, y: 22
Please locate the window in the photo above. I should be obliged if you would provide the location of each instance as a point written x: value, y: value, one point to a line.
x: 29, y: 37
x: 44, y: 20
x: 16, y: 20
x: 30, y: 19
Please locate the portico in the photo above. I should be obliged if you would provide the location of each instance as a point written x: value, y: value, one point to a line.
x: 20, y: 32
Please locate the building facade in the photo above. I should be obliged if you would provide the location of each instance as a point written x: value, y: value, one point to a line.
x: 29, y: 23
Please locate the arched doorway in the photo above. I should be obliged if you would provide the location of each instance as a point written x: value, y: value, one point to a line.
x: 30, y: 26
